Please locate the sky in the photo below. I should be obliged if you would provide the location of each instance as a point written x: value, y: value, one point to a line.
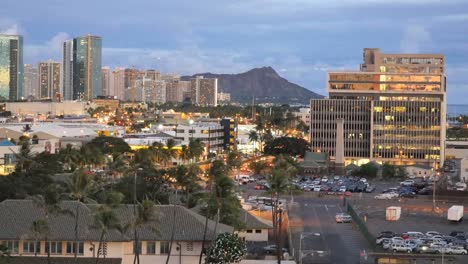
x: 301, y: 39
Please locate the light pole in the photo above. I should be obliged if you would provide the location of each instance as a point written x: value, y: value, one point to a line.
x: 301, y: 237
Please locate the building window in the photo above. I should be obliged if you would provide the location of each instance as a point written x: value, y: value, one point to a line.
x: 164, y: 247
x: 54, y: 247
x: 12, y: 246
x: 249, y: 230
x: 150, y: 248
x: 189, y: 246
x: 31, y: 247
x: 72, y: 247
x: 258, y: 231
x: 9, y: 159
x: 137, y: 248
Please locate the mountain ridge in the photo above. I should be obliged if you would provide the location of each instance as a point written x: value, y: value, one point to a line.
x: 264, y: 83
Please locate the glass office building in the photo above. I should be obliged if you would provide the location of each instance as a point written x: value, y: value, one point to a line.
x: 87, y: 65
x: 11, y: 67
x: 394, y: 110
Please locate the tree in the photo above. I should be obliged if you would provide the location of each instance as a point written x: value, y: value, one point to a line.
x: 105, y: 218
x: 258, y: 166
x: 160, y: 154
x: 80, y: 189
x: 144, y: 214
x: 90, y: 156
x: 40, y: 230
x: 110, y: 145
x: 253, y: 137
x: 370, y: 170
x: 388, y: 170
x: 233, y: 160
x: 284, y: 168
x: 184, y: 154
x: 196, y: 148
x: 286, y: 145
x: 227, y: 248
x: 70, y: 157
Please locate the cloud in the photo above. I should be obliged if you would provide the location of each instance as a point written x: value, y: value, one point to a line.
x: 9, y: 27
x: 415, y: 37
x: 51, y: 49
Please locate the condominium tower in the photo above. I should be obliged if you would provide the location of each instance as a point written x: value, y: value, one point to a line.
x: 87, y: 65
x: 204, y: 91
x: 11, y: 67
x: 30, y: 84
x: 394, y: 110
x: 49, y: 74
x: 67, y: 70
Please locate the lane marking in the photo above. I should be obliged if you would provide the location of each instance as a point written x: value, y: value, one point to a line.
x: 326, y: 208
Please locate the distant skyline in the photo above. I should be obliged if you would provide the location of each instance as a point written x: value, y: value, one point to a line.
x: 301, y: 39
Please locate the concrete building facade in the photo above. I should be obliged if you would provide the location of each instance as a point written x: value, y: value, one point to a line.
x: 50, y: 83
x: 204, y: 91
x: 30, y: 85
x: 394, y: 110
x: 67, y: 70
x: 11, y: 67
x: 106, y: 80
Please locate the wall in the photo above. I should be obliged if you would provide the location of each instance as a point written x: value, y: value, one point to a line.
x: 45, y: 108
x: 262, y: 236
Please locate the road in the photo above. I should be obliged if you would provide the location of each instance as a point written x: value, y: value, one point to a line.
x: 310, y: 215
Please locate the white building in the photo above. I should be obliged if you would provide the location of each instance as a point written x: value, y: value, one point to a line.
x: 304, y: 115
x: 46, y: 108
x: 255, y: 229
x: 211, y: 134
x: 154, y: 237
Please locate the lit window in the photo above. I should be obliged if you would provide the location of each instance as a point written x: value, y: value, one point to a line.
x: 378, y: 109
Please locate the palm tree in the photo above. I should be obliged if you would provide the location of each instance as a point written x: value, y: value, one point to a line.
x: 70, y: 157
x: 118, y: 164
x: 196, y: 148
x: 184, y: 154
x: 90, y: 156
x: 253, y: 137
x: 49, y: 203
x: 144, y: 214
x: 160, y: 154
x: 105, y: 218
x: 80, y: 188
x: 171, y: 152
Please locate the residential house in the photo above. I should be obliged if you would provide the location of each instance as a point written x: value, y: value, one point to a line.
x: 17, y: 217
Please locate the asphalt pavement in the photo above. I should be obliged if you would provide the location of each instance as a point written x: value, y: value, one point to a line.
x: 310, y: 216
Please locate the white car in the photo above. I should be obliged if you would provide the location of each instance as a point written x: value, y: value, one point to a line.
x: 324, y: 179
x: 363, y: 179
x: 317, y: 189
x: 407, y: 183
x: 400, y: 247
x: 336, y: 178
x: 382, y: 196
x: 342, y: 189
x: 455, y: 250
x: 432, y: 233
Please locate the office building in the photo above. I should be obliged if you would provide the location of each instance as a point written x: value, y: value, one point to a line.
x: 210, y: 134
x: 30, y: 84
x: 87, y: 66
x: 49, y: 80
x: 106, y: 80
x: 394, y: 110
x: 11, y: 67
x: 67, y: 70
x: 204, y: 91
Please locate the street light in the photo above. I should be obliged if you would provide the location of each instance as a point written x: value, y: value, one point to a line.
x: 300, y: 242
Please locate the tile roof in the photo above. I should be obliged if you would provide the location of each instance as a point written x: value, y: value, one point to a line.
x: 17, y: 217
x: 253, y: 222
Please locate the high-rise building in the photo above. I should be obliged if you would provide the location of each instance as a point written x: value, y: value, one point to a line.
x: 118, y: 75
x: 131, y: 75
x: 67, y: 70
x: 11, y: 67
x: 153, y: 74
x: 30, y: 84
x: 175, y: 90
x: 49, y: 73
x: 149, y: 90
x: 394, y: 110
x: 106, y: 79
x: 204, y: 91
x: 87, y: 65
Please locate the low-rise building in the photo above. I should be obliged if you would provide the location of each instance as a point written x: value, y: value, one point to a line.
x: 255, y: 229
x: 210, y: 134
x: 18, y: 217
x: 47, y: 108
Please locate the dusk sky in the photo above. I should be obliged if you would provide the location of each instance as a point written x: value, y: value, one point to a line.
x: 301, y: 39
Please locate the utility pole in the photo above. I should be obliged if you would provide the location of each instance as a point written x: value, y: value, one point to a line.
x: 253, y: 109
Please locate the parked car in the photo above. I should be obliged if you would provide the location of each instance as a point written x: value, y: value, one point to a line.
x: 407, y: 183
x: 343, y: 189
x: 343, y: 218
x: 455, y: 250
x: 456, y: 233
x: 408, y: 195
x: 400, y: 247
x: 272, y: 249
x: 432, y: 233
x: 370, y: 189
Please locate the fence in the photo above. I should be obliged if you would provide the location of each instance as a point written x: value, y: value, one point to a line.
x: 360, y: 224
